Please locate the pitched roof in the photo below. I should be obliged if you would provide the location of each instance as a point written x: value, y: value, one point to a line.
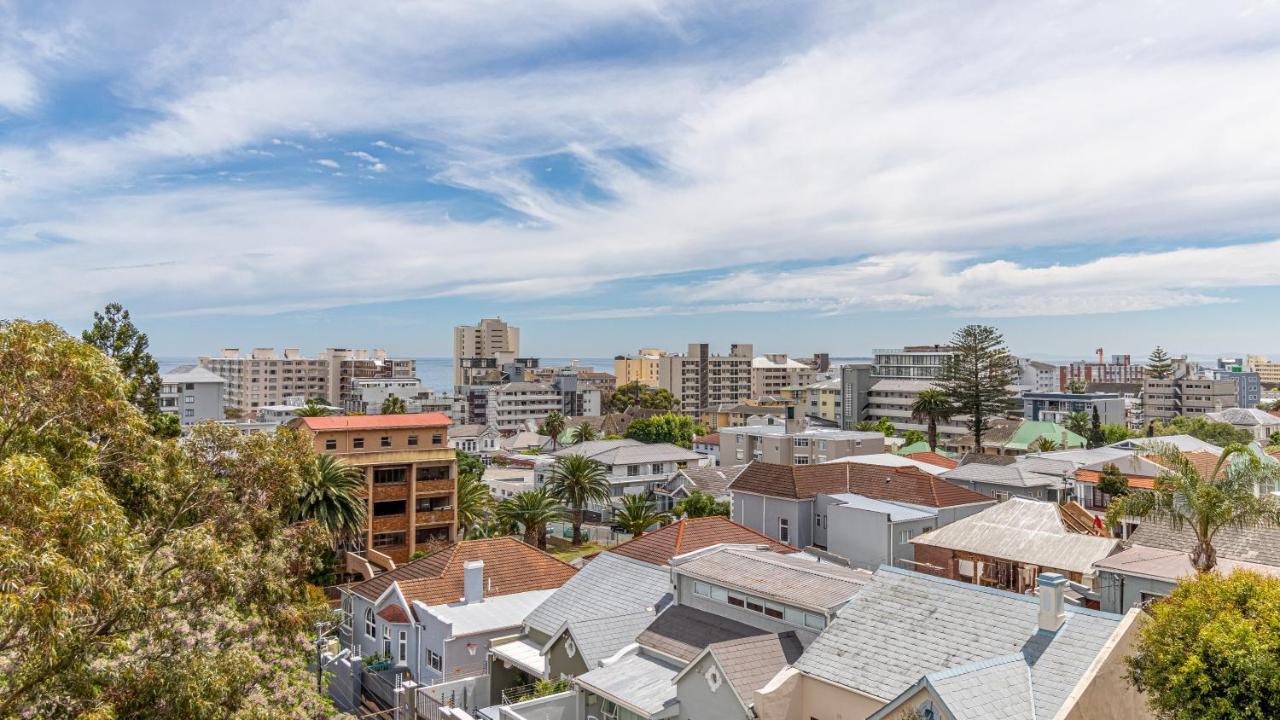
x: 627, y: 452
x: 690, y: 534
x: 1244, y: 417
x: 999, y: 687
x: 1028, y: 531
x: 902, y: 484
x: 1021, y: 434
x: 681, y: 632
x: 888, y: 459
x: 197, y: 374
x: 905, y: 625
x: 1140, y: 482
x: 639, y: 680
x: 1257, y: 544
x: 600, y: 638
x: 933, y: 458
x: 510, y: 566
x: 374, y: 422
x: 797, y: 579
x: 1170, y: 564
x: 609, y: 585
x: 708, y: 439
x: 750, y: 663
x: 1012, y: 475
x: 713, y: 480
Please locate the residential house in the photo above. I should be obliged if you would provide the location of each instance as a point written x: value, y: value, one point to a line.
x: 910, y: 642
x: 631, y: 467
x: 1017, y: 437
x: 720, y: 682
x: 929, y: 462
x: 790, y: 443
x: 505, y: 482
x: 708, y: 445
x: 689, y: 535
x: 699, y: 379
x: 1260, y: 423
x: 1014, y: 480
x: 192, y: 393
x: 708, y: 480
x: 476, y: 439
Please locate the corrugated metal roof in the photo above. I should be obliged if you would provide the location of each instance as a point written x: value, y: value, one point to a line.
x: 638, y: 680
x: 895, y: 511
x: 798, y: 578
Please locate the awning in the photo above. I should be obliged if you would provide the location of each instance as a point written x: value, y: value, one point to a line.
x: 524, y: 654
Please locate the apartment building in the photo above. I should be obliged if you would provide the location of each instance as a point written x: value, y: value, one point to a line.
x: 1120, y: 369
x: 1054, y: 407
x: 823, y: 400
x: 1193, y: 397
x: 891, y: 399
x: 783, y: 445
x: 771, y: 373
x: 1268, y: 372
x: 855, y: 388
x: 410, y: 481
x: 1248, y: 384
x: 476, y: 350
x: 913, y: 361
x: 347, y: 366
x: 191, y: 393
x: 1036, y: 376
x: 263, y: 378
x: 642, y: 367
x: 699, y: 379
x: 515, y: 405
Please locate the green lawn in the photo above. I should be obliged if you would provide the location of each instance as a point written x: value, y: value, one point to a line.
x: 567, y: 552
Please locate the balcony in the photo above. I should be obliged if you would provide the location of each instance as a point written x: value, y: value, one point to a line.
x: 435, y: 487
x: 389, y: 523
x: 434, y: 517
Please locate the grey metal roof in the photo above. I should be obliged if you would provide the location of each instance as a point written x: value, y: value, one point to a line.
x: 711, y: 480
x: 1244, y: 417
x: 905, y: 625
x: 1185, y: 443
x: 1012, y: 475
x: 638, y: 680
x: 190, y: 374
x: 1256, y: 544
x: 681, y: 632
x: 599, y: 638
x: 897, y: 512
x: 995, y: 689
x: 1171, y: 565
x: 629, y: 452
x: 609, y: 585
x: 797, y: 578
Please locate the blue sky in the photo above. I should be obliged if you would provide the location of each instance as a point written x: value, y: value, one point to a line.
x: 807, y: 176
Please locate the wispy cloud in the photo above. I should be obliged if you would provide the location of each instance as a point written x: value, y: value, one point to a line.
x: 329, y: 163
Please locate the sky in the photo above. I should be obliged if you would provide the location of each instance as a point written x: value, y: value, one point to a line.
x: 804, y: 176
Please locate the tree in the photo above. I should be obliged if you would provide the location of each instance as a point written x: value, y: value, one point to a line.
x: 312, y: 409
x: 1209, y: 651
x: 1076, y: 386
x: 911, y: 437
x: 699, y: 504
x: 1217, y: 433
x: 1112, y: 433
x: 531, y: 510
x: 932, y: 406
x: 1274, y: 440
x: 332, y: 496
x: 155, y: 579
x: 1044, y: 444
x: 1159, y: 366
x: 583, y: 432
x: 1113, y: 482
x: 1183, y: 497
x: 636, y: 513
x: 115, y: 335
x: 1095, y: 435
x: 394, y: 405
x: 553, y: 427
x: 473, y: 502
x: 666, y: 428
x: 577, y: 481
x: 1077, y: 422
x: 637, y: 394
x: 978, y: 377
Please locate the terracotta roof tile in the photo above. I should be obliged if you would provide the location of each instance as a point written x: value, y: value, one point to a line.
x: 1141, y: 482
x: 934, y: 458
x: 375, y: 422
x: 510, y: 567
x: 878, y: 482
x: 690, y: 534
x: 393, y: 613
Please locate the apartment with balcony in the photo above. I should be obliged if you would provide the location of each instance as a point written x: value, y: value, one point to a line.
x: 483, y: 341
x: 346, y: 368
x: 1194, y: 397
x: 699, y: 379
x: 641, y: 367
x: 410, y: 481
x: 191, y: 393
x: 789, y: 444
x: 771, y: 373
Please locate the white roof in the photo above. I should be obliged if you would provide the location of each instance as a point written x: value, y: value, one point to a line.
x: 889, y: 460
x: 642, y: 683
x: 190, y: 374
x: 524, y: 653
x: 1185, y: 443
x: 763, y: 362
x: 493, y: 613
x: 897, y: 512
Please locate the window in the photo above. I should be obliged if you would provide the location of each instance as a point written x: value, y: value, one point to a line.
x: 755, y: 604
x: 739, y: 453
x: 385, y: 441
x: 330, y: 444
x: 773, y: 610
x: 812, y: 620
x: 802, y: 459
x: 189, y: 399
x: 433, y: 661
x: 784, y: 530
x: 388, y: 507
x: 904, y: 536
x: 370, y: 631
x: 817, y: 520
x: 633, y: 470
x: 701, y: 588
x: 737, y: 600
x: 793, y: 616
x: 404, y: 646
x: 437, y: 438
x: 413, y: 440
x: 386, y: 640
x: 719, y: 594
x: 386, y: 475
x: 1001, y: 496
x: 655, y: 469
x: 390, y: 539
x: 802, y: 442
x: 357, y: 443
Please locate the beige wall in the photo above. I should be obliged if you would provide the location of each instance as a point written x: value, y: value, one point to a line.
x: 824, y: 701
x: 1104, y: 693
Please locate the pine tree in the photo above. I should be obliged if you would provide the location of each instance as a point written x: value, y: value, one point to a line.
x: 978, y: 377
x: 1096, y: 437
x: 1159, y: 366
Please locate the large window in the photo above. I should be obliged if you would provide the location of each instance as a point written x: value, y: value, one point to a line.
x: 370, y: 631
x: 390, y: 475
x: 390, y: 539
x: 768, y: 608
x: 434, y: 661
x: 386, y: 640
x: 784, y: 530
x: 388, y: 507
x: 404, y: 646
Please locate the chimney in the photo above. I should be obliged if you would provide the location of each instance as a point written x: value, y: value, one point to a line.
x: 1053, y: 612
x: 473, y: 581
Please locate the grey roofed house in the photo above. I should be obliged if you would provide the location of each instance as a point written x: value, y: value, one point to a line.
x: 681, y: 632
x: 608, y: 586
x: 639, y: 682
x: 1255, y: 544
x: 796, y: 579
x: 598, y: 639
x: 1244, y: 417
x: 709, y: 480
x: 1014, y: 475
x: 749, y: 663
x: 906, y: 625
x: 1185, y: 443
x: 629, y: 452
x: 989, y: 689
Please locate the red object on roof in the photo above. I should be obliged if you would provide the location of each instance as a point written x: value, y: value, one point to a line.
x: 376, y: 422
x: 708, y: 439
x: 393, y: 613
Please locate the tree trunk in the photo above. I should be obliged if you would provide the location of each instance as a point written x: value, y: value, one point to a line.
x: 542, y: 537
x: 933, y: 433
x: 1204, y: 557
x: 577, y: 526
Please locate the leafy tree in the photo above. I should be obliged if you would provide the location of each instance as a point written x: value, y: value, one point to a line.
x: 1076, y: 386
x: 636, y: 513
x: 1112, y: 433
x: 332, y: 496
x: 1077, y: 422
x: 1112, y: 481
x: 1095, y: 435
x: 978, y: 377
x: 1209, y: 651
x: 1274, y: 440
x: 638, y: 394
x: 1185, y: 498
x: 394, y: 405
x: 469, y: 464
x: 165, y: 426
x: 1159, y: 366
x: 1044, y: 444
x: 312, y: 409
x: 911, y: 437
x: 577, y: 481
x: 233, y: 413
x: 553, y: 427
x: 667, y: 428
x: 865, y: 426
x: 700, y: 504
x: 1217, y: 433
x: 583, y: 432
x: 886, y: 428
x: 115, y: 335
x: 144, y: 578
x: 474, y: 502
x: 531, y: 510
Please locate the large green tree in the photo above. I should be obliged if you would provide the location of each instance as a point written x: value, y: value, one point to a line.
x: 140, y: 577
x: 637, y: 394
x: 636, y: 514
x: 931, y: 407
x: 1211, y: 650
x: 1159, y: 365
x: 583, y: 432
x: 577, y: 481
x: 313, y: 408
x: 978, y: 377
x: 1077, y: 422
x: 475, y: 503
x: 530, y: 510
x: 1113, y: 482
x: 665, y: 428
x: 699, y: 504
x: 114, y: 334
x: 553, y: 427
x: 1217, y: 433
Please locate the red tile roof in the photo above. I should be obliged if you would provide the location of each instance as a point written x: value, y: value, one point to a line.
x: 900, y: 484
x: 934, y: 458
x: 393, y: 613
x: 708, y: 439
x: 375, y: 422
x: 510, y: 567
x: 1141, y: 482
x: 692, y: 534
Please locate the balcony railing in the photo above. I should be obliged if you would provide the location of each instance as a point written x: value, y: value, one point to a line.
x: 432, y: 517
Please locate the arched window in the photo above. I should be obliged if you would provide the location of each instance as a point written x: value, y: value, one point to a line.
x: 369, y: 630
x: 346, y: 612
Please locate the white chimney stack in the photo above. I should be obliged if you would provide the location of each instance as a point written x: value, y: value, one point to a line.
x: 473, y: 581
x: 1053, y: 610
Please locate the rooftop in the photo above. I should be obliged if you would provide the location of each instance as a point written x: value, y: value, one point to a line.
x: 691, y: 534
x: 610, y: 585
x: 493, y: 613
x: 1255, y: 544
x: 1171, y: 565
x: 750, y: 663
x: 897, y: 512
x: 681, y: 632
x: 638, y: 681
x: 600, y: 638
x: 1014, y: 475
x: 628, y: 452
x: 197, y: 374
x: 374, y: 422
x: 894, y: 460
x: 798, y: 578
x: 904, y: 484
x: 712, y: 480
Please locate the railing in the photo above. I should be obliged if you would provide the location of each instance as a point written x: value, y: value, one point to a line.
x: 520, y: 692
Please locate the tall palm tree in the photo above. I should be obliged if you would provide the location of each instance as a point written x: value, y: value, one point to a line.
x: 332, y: 495
x: 473, y: 503
x: 700, y: 504
x: 553, y: 426
x: 531, y: 510
x: 576, y: 481
x: 636, y: 513
x: 1183, y: 497
x: 583, y: 432
x: 932, y: 406
x: 394, y: 405
x: 312, y: 409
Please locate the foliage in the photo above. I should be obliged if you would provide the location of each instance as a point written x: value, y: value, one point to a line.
x: 1076, y: 386
x: 1113, y: 433
x: 543, y: 688
x: 233, y: 413
x: 932, y: 406
x: 394, y: 405
x: 530, y: 510
x: 1206, y: 504
x: 666, y: 428
x: 474, y: 501
x: 469, y: 464
x: 1095, y: 436
x: 576, y: 481
x: 165, y: 426
x: 1159, y: 366
x: 553, y: 427
x: 636, y: 393
x: 115, y: 335
x: 144, y: 578
x: 1077, y: 422
x: 1211, y: 651
x: 911, y: 437
x: 1218, y: 433
x: 1044, y: 444
x: 636, y: 513
x: 313, y: 408
x: 1112, y: 481
x: 583, y: 432
x: 978, y: 377
x: 700, y: 504
x: 332, y: 494
x: 1274, y: 440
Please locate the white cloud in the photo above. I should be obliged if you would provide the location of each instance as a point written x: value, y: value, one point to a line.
x: 326, y: 162
x: 18, y: 91
x: 363, y: 156
x: 395, y: 148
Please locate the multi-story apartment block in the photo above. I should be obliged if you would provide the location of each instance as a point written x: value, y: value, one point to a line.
x: 699, y: 379
x: 824, y: 399
x: 1193, y: 397
x: 263, y: 378
x: 1036, y: 376
x: 192, y: 393
x: 1120, y: 370
x: 1268, y: 372
x: 584, y: 376
x: 772, y: 372
x: 410, y: 481
x: 1248, y: 384
x: 1054, y: 407
x: 792, y: 445
x: 855, y: 387
x: 476, y: 350
x: 892, y: 386
x: 513, y: 406
x: 641, y: 367
x: 371, y: 393
x: 346, y: 367
x: 914, y: 361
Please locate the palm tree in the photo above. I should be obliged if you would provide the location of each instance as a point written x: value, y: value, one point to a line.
x: 332, y: 495
x: 394, y: 405
x: 576, y: 481
x: 1184, y: 497
x: 583, y: 432
x: 553, y: 426
x: 312, y: 409
x: 1078, y: 422
x: 636, y: 514
x: 473, y: 502
x: 531, y: 510
x: 1043, y: 443
x: 700, y: 504
x: 933, y: 406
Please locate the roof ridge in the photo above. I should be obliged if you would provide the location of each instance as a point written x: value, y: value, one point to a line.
x: 980, y: 664
x: 680, y: 534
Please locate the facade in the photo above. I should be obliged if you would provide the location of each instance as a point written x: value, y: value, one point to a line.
x: 410, y: 481
x: 891, y: 399
x: 772, y: 372
x: 788, y: 444
x: 1054, y: 407
x: 643, y: 367
x: 855, y: 387
x: 1017, y: 437
x: 1035, y: 376
x: 1248, y: 385
x: 631, y: 467
x: 481, y: 440
x: 192, y: 393
x: 347, y: 367
x: 1120, y: 370
x: 1192, y: 397
x: 368, y: 394
x: 1260, y: 423
x: 700, y: 380
x: 916, y: 362
x: 262, y: 378
x: 1268, y: 372
x: 482, y: 342
x: 516, y: 405
x: 740, y: 414
x: 824, y: 400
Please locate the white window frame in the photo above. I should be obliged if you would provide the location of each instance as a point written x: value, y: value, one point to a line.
x: 784, y: 530
x: 370, y: 628
x: 403, y: 646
